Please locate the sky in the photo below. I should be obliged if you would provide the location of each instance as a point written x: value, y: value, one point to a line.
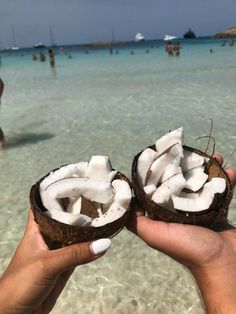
x: 85, y: 21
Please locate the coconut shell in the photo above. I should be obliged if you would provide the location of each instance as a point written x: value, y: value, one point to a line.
x: 57, y: 231
x: 207, y: 218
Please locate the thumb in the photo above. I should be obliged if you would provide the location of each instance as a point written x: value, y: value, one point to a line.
x: 76, y: 254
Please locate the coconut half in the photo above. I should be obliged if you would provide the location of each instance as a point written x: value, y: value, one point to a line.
x: 182, y: 184
x: 81, y: 202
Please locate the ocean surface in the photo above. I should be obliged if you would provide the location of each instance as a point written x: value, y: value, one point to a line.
x: 97, y: 103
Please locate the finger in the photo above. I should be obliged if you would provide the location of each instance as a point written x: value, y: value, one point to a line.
x: 168, y: 238
x: 180, y: 241
x: 32, y: 225
x: 219, y: 158
x: 136, y: 211
x: 136, y: 208
x: 77, y: 254
x: 231, y: 172
x: 154, y: 233
x: 232, y: 176
x: 32, y: 236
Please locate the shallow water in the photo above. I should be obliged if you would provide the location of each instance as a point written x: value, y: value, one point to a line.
x: 116, y: 105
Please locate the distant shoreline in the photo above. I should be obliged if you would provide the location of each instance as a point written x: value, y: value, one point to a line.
x: 110, y: 44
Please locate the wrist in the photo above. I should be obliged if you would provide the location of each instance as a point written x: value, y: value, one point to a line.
x: 10, y: 303
x: 4, y: 297
x: 217, y: 286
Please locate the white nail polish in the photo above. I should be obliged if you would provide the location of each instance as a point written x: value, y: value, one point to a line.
x: 99, y: 246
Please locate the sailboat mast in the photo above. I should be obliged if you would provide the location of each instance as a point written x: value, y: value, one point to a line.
x: 112, y: 35
x: 13, y: 35
x: 51, y: 36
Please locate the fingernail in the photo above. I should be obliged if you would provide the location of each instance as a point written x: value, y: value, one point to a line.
x: 99, y: 246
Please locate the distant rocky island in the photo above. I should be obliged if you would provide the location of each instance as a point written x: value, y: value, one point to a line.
x: 189, y: 34
x: 229, y: 32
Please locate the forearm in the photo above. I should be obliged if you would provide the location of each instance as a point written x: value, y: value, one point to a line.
x: 17, y: 293
x: 218, y: 289
x: 6, y: 297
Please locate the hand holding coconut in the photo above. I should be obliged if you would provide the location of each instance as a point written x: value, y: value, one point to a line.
x: 177, y: 183
x: 36, y: 276
x: 85, y: 202
x: 209, y: 255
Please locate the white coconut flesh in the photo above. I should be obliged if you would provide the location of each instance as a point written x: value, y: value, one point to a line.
x: 165, y: 166
x: 146, y: 159
x: 167, y: 173
x: 94, y: 181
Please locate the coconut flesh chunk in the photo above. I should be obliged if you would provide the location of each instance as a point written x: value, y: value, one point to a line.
x: 74, y: 206
x: 195, y: 178
x: 99, y: 168
x: 191, y: 160
x: 157, y: 169
x: 176, y: 169
x: 149, y: 189
x: 70, y: 219
x: 203, y: 200
x: 168, y: 140
x: 115, y: 212
x: 97, y: 191
x: 172, y: 186
x: 68, y: 171
x: 121, y: 201
x: 173, y: 157
x: 95, y: 188
x: 171, y: 171
x: 122, y: 192
x: 146, y: 159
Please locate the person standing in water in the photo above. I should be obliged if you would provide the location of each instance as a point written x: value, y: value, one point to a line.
x: 51, y: 58
x: 176, y: 49
x: 170, y: 49
x: 34, y: 57
x: 1, y: 88
x: 2, y: 137
x: 42, y: 57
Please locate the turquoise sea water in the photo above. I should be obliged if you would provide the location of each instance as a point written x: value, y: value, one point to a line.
x: 98, y: 103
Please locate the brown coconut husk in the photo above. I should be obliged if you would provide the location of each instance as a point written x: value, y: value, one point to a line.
x: 57, y: 231
x: 207, y: 218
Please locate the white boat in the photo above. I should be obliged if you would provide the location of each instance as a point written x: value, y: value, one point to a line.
x: 39, y: 45
x: 169, y: 37
x: 139, y: 37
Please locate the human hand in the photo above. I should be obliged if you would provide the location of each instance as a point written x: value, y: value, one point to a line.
x: 36, y: 275
x: 209, y: 255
